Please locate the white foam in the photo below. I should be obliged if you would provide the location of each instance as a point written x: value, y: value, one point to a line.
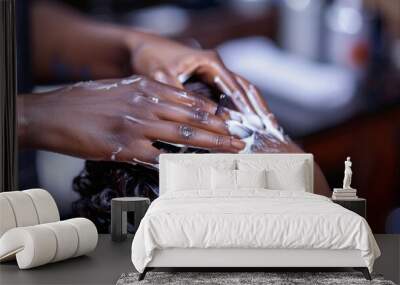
x: 128, y: 81
x: 114, y: 153
x: 237, y: 129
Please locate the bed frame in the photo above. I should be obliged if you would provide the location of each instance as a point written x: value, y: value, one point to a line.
x: 246, y: 258
x: 249, y: 259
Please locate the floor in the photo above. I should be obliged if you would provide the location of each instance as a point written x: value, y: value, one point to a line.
x: 110, y: 260
x: 103, y: 266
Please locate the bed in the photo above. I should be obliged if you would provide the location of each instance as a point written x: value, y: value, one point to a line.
x: 246, y: 211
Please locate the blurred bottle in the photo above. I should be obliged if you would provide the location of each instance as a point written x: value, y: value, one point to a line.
x: 300, y: 27
x: 346, y: 38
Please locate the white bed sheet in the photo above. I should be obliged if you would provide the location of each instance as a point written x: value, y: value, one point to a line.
x: 252, y: 218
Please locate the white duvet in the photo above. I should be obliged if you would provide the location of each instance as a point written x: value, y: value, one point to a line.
x: 253, y: 218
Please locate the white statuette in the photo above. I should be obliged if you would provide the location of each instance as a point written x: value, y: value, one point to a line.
x: 347, y: 174
x: 345, y: 193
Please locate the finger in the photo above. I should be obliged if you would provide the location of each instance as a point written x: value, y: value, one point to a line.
x: 148, y: 154
x: 215, y: 72
x: 191, y: 136
x: 196, y: 117
x: 140, y: 152
x: 258, y: 103
x: 175, y: 95
x: 225, y: 83
x: 256, y: 99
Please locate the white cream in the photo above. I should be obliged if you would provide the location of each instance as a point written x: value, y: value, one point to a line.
x: 237, y: 99
x: 221, y: 85
x: 245, y: 122
x: 94, y: 85
x: 183, y: 77
x: 114, y: 153
x: 237, y: 129
x: 151, y: 165
x: 183, y: 94
x: 269, y: 127
x: 132, y: 119
x: 249, y: 119
x: 128, y: 81
x: 268, y: 124
x: 155, y: 99
x: 249, y: 141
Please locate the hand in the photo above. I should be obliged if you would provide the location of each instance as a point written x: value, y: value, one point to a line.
x: 83, y: 47
x: 120, y: 119
x: 172, y: 63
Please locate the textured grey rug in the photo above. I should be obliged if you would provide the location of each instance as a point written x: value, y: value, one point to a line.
x: 233, y: 278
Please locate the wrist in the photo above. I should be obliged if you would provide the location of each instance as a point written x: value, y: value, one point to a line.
x: 136, y: 42
x: 32, y: 122
x: 108, y: 52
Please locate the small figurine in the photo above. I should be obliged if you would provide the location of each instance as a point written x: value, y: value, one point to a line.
x: 347, y: 174
x: 347, y: 192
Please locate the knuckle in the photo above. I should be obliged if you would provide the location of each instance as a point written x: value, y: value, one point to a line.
x: 144, y: 83
x: 200, y: 116
x: 131, y: 80
x: 138, y: 99
x: 127, y: 121
x: 119, y: 125
x: 159, y: 75
x: 199, y: 103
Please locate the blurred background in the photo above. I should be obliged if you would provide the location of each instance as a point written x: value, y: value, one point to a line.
x: 329, y: 70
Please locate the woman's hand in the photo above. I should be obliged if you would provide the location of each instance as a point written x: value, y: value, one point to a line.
x: 172, y: 63
x: 120, y: 119
x: 69, y: 46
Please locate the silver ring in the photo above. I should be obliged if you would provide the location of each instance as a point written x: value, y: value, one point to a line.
x: 186, y: 132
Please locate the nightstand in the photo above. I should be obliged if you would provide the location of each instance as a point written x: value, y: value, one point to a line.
x: 357, y: 205
x: 119, y: 208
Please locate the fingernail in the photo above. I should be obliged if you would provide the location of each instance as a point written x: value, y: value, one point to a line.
x: 238, y: 144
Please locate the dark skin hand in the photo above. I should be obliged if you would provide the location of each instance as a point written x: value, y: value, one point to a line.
x: 61, y: 36
x: 119, y: 120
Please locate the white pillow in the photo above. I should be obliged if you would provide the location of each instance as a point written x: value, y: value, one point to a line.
x: 290, y: 179
x: 251, y: 178
x: 183, y: 177
x: 223, y: 179
x: 281, y: 174
x: 226, y: 179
